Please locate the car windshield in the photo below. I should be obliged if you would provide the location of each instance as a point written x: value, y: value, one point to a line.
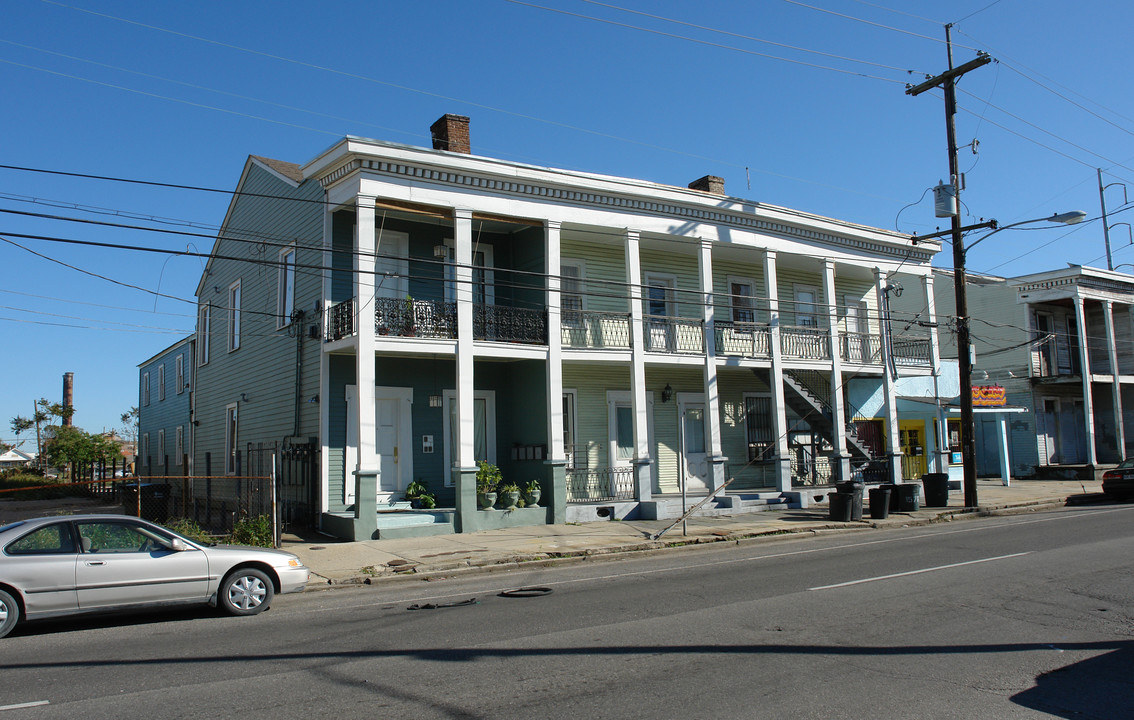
x: 1125, y: 464
x: 9, y: 526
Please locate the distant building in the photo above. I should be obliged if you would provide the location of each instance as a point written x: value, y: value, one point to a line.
x: 15, y: 458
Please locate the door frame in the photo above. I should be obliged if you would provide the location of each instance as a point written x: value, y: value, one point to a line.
x: 405, y: 436
x: 684, y: 400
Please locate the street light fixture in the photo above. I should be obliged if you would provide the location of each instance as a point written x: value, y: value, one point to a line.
x: 965, y: 355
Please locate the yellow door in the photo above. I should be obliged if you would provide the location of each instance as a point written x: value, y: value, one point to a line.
x: 911, y: 434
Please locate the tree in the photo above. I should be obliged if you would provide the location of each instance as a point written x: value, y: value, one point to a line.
x: 73, y: 445
x: 130, y: 424
x: 21, y: 425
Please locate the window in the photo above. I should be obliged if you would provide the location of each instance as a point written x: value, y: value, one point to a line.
x: 856, y: 317
x: 569, y: 430
x: 50, y: 540
x: 484, y: 279
x: 203, y: 331
x: 145, y: 388
x: 145, y: 450
x: 230, y: 447
x: 484, y: 428
x: 660, y: 296
x: 758, y: 427
x: 234, y: 316
x: 180, y: 445
x: 109, y: 536
x: 179, y: 373
x: 162, y: 457
x: 742, y: 300
x: 571, y: 292
x: 286, y: 304
x: 161, y: 382
x: 806, y: 307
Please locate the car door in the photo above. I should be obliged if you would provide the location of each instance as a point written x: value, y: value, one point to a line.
x: 41, y: 564
x: 124, y: 562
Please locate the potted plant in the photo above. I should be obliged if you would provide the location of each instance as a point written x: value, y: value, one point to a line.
x: 532, y: 493
x: 487, y: 478
x: 510, y: 495
x: 426, y: 501
x: 409, y: 329
x: 415, y: 491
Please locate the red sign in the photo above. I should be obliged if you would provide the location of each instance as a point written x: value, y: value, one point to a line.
x: 989, y: 396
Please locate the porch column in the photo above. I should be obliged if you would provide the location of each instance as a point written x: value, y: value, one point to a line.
x: 324, y: 372
x: 643, y: 478
x: 893, y: 440
x: 464, y: 474
x: 1115, y: 387
x: 1002, y: 432
x: 556, y: 453
x: 941, y: 437
x: 776, y: 376
x: 838, y: 406
x: 1085, y: 368
x: 366, y: 472
x: 712, y: 400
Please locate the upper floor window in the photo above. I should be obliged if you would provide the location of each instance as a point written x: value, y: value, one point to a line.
x: 571, y: 292
x: 161, y: 382
x: 146, y: 450
x: 180, y: 445
x: 806, y: 306
x: 286, y: 303
x: 179, y: 372
x: 742, y: 300
x: 234, y: 316
x: 145, y: 389
x: 203, y: 333
x: 660, y: 295
x: 483, y: 276
x: 231, y: 465
x: 161, y: 447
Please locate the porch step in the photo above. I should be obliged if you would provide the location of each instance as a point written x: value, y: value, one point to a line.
x: 393, y: 524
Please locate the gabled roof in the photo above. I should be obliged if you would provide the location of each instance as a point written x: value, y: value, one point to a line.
x: 15, y: 455
x: 291, y: 171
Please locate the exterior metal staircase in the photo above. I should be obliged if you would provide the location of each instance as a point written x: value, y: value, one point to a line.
x: 804, y: 393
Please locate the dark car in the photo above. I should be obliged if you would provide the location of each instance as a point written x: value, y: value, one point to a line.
x: 1119, y: 482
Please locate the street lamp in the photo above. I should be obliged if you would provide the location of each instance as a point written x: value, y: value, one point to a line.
x: 965, y: 350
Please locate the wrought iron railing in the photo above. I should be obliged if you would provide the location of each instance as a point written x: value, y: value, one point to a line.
x: 805, y: 343
x: 603, y: 484
x: 674, y: 335
x: 911, y: 351
x: 743, y: 339
x: 914, y: 466
x: 859, y: 347
x: 340, y: 320
x: 809, y: 469
x: 509, y: 324
x: 415, y: 318
x: 595, y: 330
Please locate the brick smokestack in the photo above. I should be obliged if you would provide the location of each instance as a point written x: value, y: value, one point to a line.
x: 451, y: 132
x: 710, y: 184
x: 68, y: 396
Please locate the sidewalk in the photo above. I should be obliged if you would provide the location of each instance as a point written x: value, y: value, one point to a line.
x: 335, y: 563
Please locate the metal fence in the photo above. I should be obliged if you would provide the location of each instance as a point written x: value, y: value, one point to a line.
x: 602, y: 484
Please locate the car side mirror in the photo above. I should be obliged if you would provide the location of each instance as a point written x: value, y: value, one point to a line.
x: 178, y: 545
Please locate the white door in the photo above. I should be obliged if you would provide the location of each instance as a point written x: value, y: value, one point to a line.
x: 1049, y: 431
x: 694, y: 460
x: 392, y: 433
x: 386, y: 446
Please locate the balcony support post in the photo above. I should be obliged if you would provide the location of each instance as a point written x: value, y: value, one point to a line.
x: 1115, y: 387
x: 776, y: 376
x: 366, y: 471
x: 941, y: 437
x: 838, y: 407
x: 643, y: 475
x: 1085, y: 369
x: 557, y: 456
x: 893, y: 440
x: 464, y: 470
x: 712, y: 399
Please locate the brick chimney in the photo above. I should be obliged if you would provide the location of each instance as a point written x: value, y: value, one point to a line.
x: 710, y: 184
x: 451, y: 132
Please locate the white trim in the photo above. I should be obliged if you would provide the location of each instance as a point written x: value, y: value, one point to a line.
x: 161, y: 381
x: 146, y: 389
x: 668, y: 281
x: 285, y: 286
x: 235, y: 300
x: 730, y: 280
x: 625, y: 398
x: 179, y: 372
x: 231, y: 429
x: 204, y: 332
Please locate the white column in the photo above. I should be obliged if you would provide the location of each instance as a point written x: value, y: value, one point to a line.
x: 324, y: 364
x: 941, y: 437
x: 1085, y: 366
x: 642, y: 474
x: 888, y: 381
x: 555, y: 449
x: 462, y: 240
x: 364, y: 265
x: 838, y: 406
x: 776, y: 377
x: 712, y: 391
x: 1005, y: 466
x: 1115, y: 387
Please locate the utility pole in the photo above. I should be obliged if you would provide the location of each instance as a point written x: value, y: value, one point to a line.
x: 964, y: 344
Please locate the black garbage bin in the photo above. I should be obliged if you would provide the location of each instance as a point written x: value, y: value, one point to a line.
x: 936, y: 489
x: 839, y: 506
x: 155, y: 501
x: 880, y: 502
x: 893, y: 495
x: 855, y: 490
x: 909, y: 497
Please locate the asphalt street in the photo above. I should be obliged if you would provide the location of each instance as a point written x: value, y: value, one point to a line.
x: 1004, y: 617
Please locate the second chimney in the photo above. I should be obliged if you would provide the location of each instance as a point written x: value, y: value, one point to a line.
x: 709, y: 183
x: 451, y: 132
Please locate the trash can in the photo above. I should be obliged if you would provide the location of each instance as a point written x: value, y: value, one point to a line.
x: 839, y: 506
x: 854, y: 489
x: 155, y: 501
x: 880, y: 502
x: 909, y: 497
x: 936, y: 489
x: 893, y: 495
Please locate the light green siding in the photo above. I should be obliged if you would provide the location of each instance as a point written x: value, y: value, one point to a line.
x: 604, y: 274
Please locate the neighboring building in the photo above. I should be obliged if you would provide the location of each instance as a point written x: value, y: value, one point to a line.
x: 1028, y: 334
x: 15, y: 458
x: 387, y: 313
x: 165, y: 427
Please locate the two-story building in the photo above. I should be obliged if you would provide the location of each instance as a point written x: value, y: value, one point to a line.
x: 387, y: 313
x: 165, y: 427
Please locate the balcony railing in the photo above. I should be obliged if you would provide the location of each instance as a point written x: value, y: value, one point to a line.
x: 509, y: 324
x: 805, y: 343
x: 602, y: 484
x: 595, y: 330
x: 340, y: 320
x: 743, y: 339
x: 415, y: 318
x: 684, y: 336
x: 911, y: 351
x: 857, y: 347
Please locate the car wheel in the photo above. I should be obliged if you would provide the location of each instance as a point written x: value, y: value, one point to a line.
x: 246, y: 591
x: 9, y: 613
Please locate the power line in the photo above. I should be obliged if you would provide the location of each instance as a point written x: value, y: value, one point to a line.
x: 872, y: 23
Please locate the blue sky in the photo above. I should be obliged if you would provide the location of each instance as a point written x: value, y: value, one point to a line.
x: 799, y: 104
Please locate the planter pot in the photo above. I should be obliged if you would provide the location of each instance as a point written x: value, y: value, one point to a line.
x: 532, y: 498
x: 486, y: 500
x: 510, y: 499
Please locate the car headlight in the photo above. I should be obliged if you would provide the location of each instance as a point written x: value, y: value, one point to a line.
x: 295, y: 562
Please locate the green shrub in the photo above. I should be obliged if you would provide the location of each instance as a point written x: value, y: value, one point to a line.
x: 189, y: 528
x: 253, y: 531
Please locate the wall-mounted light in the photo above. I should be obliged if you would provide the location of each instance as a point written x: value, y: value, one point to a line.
x: 434, y: 401
x: 441, y: 252
x: 666, y: 393
x: 244, y: 397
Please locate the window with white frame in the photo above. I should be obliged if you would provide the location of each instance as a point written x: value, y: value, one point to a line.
x: 483, y: 276
x: 758, y: 425
x: 571, y: 292
x: 180, y: 445
x: 161, y: 446
x: 855, y: 314
x: 570, y: 430
x: 179, y: 372
x: 742, y: 300
x: 203, y: 333
x: 660, y: 295
x: 161, y: 382
x: 806, y: 306
x: 145, y: 389
x: 286, y: 303
x: 146, y: 449
x: 234, y: 316
x: 230, y: 439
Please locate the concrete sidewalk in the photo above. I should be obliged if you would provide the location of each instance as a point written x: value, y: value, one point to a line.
x: 335, y: 563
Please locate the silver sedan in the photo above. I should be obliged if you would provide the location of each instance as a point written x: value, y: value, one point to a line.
x: 87, y: 563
